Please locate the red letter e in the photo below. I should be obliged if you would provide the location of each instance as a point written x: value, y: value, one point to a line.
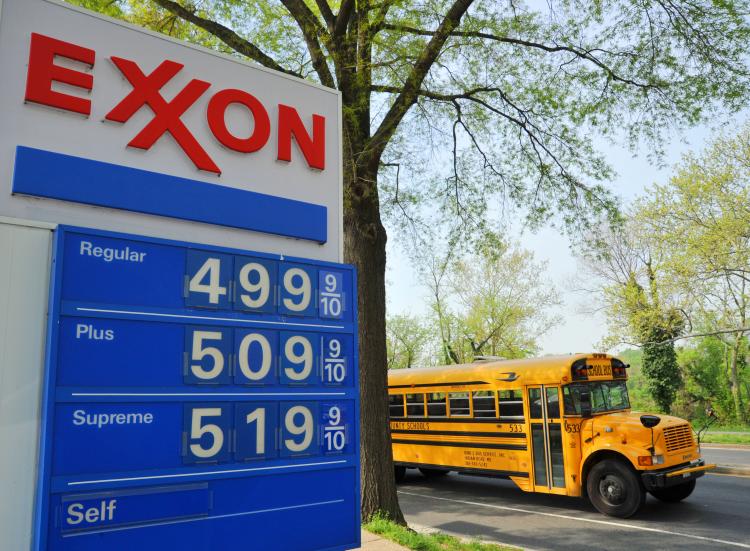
x: 43, y: 72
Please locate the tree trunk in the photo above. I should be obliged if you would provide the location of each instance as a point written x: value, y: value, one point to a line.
x: 739, y: 412
x: 364, y: 246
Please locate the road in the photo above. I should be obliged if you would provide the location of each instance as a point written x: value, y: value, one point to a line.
x: 716, y: 516
x: 726, y: 455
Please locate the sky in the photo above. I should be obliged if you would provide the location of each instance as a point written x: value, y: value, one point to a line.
x: 578, y: 332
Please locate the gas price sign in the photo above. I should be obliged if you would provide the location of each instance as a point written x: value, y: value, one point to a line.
x: 198, y: 398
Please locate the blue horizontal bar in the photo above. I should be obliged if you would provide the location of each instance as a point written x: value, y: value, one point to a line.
x: 56, y: 176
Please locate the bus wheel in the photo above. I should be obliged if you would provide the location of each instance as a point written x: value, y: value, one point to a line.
x: 675, y: 493
x: 433, y: 473
x: 615, y: 489
x: 400, y: 473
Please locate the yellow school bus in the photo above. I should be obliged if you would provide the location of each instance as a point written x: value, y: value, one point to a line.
x: 556, y: 425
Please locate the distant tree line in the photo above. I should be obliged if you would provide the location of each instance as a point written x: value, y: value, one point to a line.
x: 491, y: 301
x: 674, y: 280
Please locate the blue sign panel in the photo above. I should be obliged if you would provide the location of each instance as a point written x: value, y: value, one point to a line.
x: 48, y: 174
x: 197, y: 398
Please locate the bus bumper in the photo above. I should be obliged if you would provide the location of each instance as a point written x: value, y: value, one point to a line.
x: 676, y: 475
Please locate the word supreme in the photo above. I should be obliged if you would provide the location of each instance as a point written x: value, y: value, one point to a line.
x: 43, y: 73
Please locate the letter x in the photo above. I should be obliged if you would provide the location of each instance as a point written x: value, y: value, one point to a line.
x: 166, y: 114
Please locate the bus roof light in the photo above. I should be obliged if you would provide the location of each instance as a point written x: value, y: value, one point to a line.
x: 578, y: 370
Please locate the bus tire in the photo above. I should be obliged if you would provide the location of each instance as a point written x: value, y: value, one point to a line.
x: 615, y: 489
x: 399, y: 472
x: 675, y: 493
x: 433, y: 473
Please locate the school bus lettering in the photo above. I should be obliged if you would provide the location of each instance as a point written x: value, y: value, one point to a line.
x: 572, y: 427
x: 406, y: 425
x: 480, y: 459
x: 600, y: 371
x: 518, y: 428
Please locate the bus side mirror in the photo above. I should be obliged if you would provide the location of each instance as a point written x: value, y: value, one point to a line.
x: 650, y: 421
x: 585, y: 398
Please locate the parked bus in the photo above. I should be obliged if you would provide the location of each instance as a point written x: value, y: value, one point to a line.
x: 555, y: 425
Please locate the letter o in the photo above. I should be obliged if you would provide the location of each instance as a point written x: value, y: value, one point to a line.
x: 216, y: 110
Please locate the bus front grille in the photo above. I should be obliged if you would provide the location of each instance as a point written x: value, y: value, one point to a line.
x: 679, y: 437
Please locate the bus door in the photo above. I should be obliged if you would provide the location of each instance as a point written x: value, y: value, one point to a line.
x: 545, y: 422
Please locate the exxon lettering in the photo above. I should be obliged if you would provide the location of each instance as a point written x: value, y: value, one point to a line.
x: 43, y: 72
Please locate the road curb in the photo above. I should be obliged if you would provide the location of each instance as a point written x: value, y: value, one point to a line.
x: 376, y: 542
x: 720, y: 446
x: 731, y: 469
x: 422, y: 529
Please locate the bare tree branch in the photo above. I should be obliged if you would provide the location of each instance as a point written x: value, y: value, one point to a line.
x: 740, y: 330
x: 343, y: 17
x: 226, y: 35
x: 311, y: 30
x: 435, y: 95
x: 534, y: 134
x: 410, y: 91
x: 578, y: 52
x: 327, y: 14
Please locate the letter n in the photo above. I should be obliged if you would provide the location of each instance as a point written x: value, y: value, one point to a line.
x: 290, y: 125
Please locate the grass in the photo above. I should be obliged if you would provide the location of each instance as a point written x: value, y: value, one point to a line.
x: 426, y: 542
x: 718, y: 438
x: 721, y: 433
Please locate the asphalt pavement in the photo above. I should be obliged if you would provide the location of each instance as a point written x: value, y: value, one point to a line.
x: 716, y: 516
x: 726, y: 455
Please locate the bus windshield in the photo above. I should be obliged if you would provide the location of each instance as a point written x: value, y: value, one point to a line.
x: 605, y: 396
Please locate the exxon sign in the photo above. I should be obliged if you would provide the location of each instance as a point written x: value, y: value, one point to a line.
x: 166, y: 132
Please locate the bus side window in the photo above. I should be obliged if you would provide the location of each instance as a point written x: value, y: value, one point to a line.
x: 483, y: 402
x: 553, y: 402
x: 436, y: 406
x: 415, y: 405
x: 571, y: 400
x: 396, y: 405
x: 459, y: 404
x: 510, y: 403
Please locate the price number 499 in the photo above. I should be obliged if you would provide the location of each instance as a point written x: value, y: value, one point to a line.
x: 222, y: 281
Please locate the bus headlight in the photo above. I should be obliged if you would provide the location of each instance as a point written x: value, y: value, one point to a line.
x: 648, y: 460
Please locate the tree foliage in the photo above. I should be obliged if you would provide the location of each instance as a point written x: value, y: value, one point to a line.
x: 706, y: 366
x: 494, y: 301
x: 640, y: 397
x: 408, y: 337
x: 641, y: 304
x: 661, y: 369
x: 518, y: 95
x: 503, y: 301
x: 686, y: 246
x: 702, y: 218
